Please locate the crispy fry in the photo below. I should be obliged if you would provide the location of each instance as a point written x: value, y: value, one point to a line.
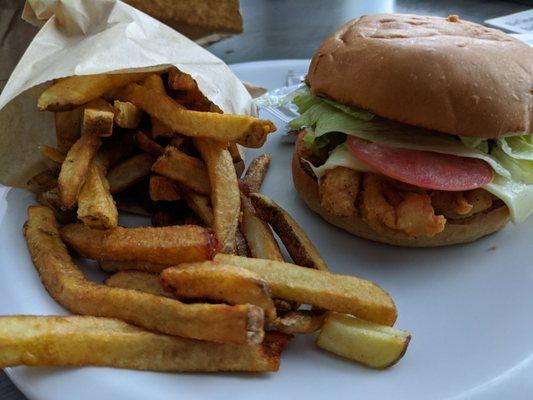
x: 302, y: 321
x: 225, y: 195
x: 67, y: 285
x: 68, y: 93
x: 98, y: 118
x: 163, y: 189
x: 159, y: 128
x: 200, y: 204
x: 116, y: 266
x: 141, y: 281
x: 78, y: 341
x: 75, y: 168
x: 247, y: 131
x: 302, y: 251
x: 130, y: 171
x: 178, y: 80
x: 258, y: 234
x: 188, y: 171
x: 43, y: 181
x: 241, y: 246
x: 68, y: 128
x: 126, y: 114
x: 342, y: 293
x: 52, y: 153
x: 374, y: 345
x: 255, y: 174
x: 220, y: 282
x: 147, y: 145
x: 166, y: 245
x: 96, y: 207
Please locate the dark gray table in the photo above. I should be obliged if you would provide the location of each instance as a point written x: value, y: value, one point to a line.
x: 274, y: 29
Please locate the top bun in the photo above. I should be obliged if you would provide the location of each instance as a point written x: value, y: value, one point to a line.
x: 452, y: 76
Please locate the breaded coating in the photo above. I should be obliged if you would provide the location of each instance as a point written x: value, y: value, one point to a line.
x: 338, y: 189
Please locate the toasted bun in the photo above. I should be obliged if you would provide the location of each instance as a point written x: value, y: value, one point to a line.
x: 456, y: 231
x: 452, y: 76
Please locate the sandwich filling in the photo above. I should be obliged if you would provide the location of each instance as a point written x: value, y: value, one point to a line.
x: 409, y: 179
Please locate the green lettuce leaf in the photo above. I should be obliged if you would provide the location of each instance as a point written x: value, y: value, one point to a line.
x: 518, y: 147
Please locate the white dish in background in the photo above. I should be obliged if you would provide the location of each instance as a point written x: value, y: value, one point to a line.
x: 468, y: 308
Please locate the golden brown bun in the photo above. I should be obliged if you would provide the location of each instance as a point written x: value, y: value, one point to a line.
x: 456, y: 231
x: 455, y: 77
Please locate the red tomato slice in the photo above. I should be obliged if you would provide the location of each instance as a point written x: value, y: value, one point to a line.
x: 425, y: 169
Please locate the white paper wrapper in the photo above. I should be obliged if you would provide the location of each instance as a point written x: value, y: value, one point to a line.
x: 82, y: 37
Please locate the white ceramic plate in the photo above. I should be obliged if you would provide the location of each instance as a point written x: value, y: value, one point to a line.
x: 469, y: 309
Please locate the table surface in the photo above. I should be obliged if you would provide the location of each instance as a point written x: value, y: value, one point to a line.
x: 273, y: 29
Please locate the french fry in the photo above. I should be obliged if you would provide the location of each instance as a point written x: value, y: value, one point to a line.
x: 261, y: 241
x: 75, y: 168
x: 68, y: 93
x: 154, y: 82
x: 67, y: 285
x: 220, y: 282
x: 302, y: 251
x: 247, y: 131
x: 178, y: 80
x: 237, y: 156
x: 200, y: 204
x: 148, y: 145
x: 117, y: 266
x: 98, y: 118
x: 106, y: 342
x: 50, y: 198
x: 126, y: 115
x: 129, y: 172
x: 43, y: 181
x: 68, y: 127
x: 163, y: 189
x: 225, y: 195
x: 141, y: 281
x: 116, y: 149
x: 302, y: 321
x: 241, y: 246
x: 373, y: 345
x: 166, y: 245
x: 52, y: 153
x: 255, y: 174
x: 96, y: 207
x: 188, y: 171
x: 342, y: 293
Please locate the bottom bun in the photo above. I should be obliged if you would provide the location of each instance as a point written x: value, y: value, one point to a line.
x: 455, y: 231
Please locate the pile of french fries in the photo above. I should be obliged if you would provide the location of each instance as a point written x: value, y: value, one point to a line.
x: 206, y: 287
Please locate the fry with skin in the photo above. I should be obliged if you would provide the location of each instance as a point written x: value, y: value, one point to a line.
x: 98, y: 118
x: 141, y: 281
x: 130, y: 171
x: 52, y: 153
x: 148, y: 145
x: 165, y: 245
x: 106, y: 342
x: 142, y: 266
x: 67, y: 285
x: 43, y: 181
x: 178, y: 80
x: 126, y: 114
x: 302, y: 251
x: 162, y: 188
x: 225, y: 195
x: 50, y: 198
x: 154, y: 82
x: 220, y: 282
x: 96, y: 207
x: 255, y: 174
x: 247, y: 131
x: 342, y: 293
x: 200, y: 204
x: 241, y: 246
x: 68, y: 93
x: 188, y: 171
x: 237, y: 156
x: 68, y: 128
x: 302, y: 321
x: 75, y: 168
